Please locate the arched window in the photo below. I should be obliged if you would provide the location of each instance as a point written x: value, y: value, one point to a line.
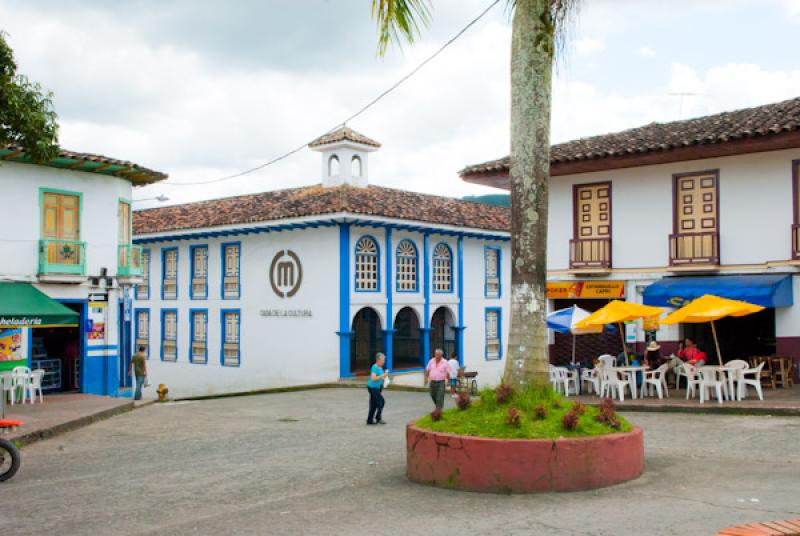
x: 367, y: 263
x: 442, y: 268
x: 355, y: 166
x: 406, y: 266
x: 333, y: 166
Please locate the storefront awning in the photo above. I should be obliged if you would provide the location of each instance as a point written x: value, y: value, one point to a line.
x: 23, y: 306
x: 765, y: 290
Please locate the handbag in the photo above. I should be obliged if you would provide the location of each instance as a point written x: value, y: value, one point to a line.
x: 146, y: 382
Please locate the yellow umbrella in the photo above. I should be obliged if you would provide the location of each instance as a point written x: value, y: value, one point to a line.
x: 618, y: 312
x: 709, y: 308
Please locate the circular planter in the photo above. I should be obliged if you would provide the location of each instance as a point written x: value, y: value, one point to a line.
x: 522, y: 465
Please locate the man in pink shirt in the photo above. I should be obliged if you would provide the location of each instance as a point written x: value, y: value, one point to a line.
x: 437, y: 372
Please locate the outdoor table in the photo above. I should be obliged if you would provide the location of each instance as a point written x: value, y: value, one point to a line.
x: 631, y: 372
x: 728, y: 374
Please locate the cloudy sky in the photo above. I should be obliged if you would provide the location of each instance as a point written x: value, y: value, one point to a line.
x: 205, y: 88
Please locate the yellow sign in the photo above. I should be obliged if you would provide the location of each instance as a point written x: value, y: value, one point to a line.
x: 607, y: 290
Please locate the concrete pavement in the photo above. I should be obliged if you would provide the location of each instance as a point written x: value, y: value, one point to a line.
x: 304, y: 463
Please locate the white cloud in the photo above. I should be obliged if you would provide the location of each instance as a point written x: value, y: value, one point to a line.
x: 647, y: 52
x: 792, y: 8
x: 589, y: 45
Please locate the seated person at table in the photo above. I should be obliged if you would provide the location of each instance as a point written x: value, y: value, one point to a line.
x: 631, y: 357
x: 688, y: 352
x: 652, y: 355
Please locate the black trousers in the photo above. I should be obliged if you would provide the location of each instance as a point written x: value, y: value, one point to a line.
x: 376, y: 403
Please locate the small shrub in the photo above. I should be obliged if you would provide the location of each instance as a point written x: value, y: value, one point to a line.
x: 514, y: 418
x: 503, y: 393
x: 556, y: 403
x: 436, y: 415
x: 570, y: 420
x: 578, y: 408
x: 607, y: 405
x: 613, y: 422
x: 540, y: 412
x: 463, y: 401
x: 607, y: 414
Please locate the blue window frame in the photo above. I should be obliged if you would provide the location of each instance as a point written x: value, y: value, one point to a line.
x: 198, y: 283
x: 142, y: 330
x: 494, y: 334
x: 407, y: 262
x: 142, y: 290
x: 492, y: 287
x: 442, y: 269
x: 169, y: 273
x: 231, y: 284
x: 367, y: 265
x: 169, y: 335
x: 198, y: 335
x: 231, y: 345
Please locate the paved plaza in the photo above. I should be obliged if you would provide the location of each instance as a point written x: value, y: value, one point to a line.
x: 305, y: 463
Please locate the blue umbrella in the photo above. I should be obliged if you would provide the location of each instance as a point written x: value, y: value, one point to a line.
x: 564, y: 320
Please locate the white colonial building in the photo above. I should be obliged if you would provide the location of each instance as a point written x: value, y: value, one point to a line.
x: 305, y: 285
x: 65, y: 230
x: 666, y: 212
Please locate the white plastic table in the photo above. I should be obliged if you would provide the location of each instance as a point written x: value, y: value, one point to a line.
x: 631, y: 372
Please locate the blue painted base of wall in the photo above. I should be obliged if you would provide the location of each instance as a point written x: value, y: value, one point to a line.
x: 101, y: 375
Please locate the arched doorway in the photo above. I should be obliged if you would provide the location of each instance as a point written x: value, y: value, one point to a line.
x: 443, y: 335
x: 366, y: 342
x: 406, y: 342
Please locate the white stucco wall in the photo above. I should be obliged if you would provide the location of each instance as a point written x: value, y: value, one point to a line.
x: 755, y: 210
x: 20, y: 219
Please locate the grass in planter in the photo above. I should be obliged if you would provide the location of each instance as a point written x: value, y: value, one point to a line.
x: 488, y: 418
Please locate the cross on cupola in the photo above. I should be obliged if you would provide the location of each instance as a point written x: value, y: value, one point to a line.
x: 344, y: 157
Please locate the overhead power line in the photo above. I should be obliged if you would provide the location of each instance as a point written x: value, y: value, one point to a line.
x: 363, y: 109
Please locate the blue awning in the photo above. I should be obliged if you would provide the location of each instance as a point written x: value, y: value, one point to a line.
x: 766, y: 290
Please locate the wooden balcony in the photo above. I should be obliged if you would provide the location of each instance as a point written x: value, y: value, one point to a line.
x: 694, y: 250
x: 129, y: 260
x: 796, y: 242
x: 590, y: 254
x: 62, y: 257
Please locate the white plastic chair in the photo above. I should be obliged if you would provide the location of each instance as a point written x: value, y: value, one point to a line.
x: 553, y: 373
x: 613, y: 384
x: 734, y: 367
x: 710, y: 380
x: 34, y: 386
x: 20, y: 376
x: 607, y: 360
x: 692, y: 379
x: 655, y: 380
x: 565, y: 378
x: 592, y: 378
x: 679, y: 373
x: 743, y: 382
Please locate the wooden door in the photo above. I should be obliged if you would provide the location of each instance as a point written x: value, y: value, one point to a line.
x: 592, y: 224
x: 696, y: 216
x: 124, y: 223
x: 61, y: 221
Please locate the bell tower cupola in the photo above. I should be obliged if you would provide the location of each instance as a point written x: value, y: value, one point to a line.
x: 344, y: 157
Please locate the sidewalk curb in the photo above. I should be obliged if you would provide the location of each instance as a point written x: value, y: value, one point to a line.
x: 296, y: 388
x: 28, y: 438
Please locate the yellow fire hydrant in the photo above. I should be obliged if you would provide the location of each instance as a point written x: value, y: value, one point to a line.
x: 162, y: 392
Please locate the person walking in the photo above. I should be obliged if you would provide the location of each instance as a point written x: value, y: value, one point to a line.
x: 138, y: 369
x: 437, y: 373
x: 454, y: 366
x: 375, y: 384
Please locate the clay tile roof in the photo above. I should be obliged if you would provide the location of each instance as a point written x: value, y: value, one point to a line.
x: 91, y: 163
x: 318, y: 200
x: 766, y: 120
x: 344, y: 134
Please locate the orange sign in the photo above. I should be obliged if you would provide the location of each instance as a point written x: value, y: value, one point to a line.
x: 586, y: 289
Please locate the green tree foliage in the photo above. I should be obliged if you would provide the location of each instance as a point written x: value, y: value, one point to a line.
x: 27, y: 117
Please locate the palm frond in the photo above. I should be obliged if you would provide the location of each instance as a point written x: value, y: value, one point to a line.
x: 399, y: 21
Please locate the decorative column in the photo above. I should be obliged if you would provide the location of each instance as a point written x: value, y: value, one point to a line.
x: 387, y: 333
x: 344, y: 300
x: 426, y: 293
x: 460, y: 328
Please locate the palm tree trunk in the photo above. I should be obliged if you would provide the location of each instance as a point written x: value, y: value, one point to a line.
x: 532, y: 47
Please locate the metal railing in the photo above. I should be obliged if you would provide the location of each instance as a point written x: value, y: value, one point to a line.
x: 62, y: 257
x: 590, y: 253
x: 686, y: 249
x: 129, y: 260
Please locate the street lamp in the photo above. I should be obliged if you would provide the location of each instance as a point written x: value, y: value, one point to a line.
x: 160, y: 198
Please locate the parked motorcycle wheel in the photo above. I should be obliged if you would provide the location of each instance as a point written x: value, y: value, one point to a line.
x: 10, y: 460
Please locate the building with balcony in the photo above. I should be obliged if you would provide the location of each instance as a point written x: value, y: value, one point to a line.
x: 65, y: 229
x: 660, y: 213
x: 305, y: 285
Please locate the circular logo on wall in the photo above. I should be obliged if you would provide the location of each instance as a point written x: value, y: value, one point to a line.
x: 285, y: 273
